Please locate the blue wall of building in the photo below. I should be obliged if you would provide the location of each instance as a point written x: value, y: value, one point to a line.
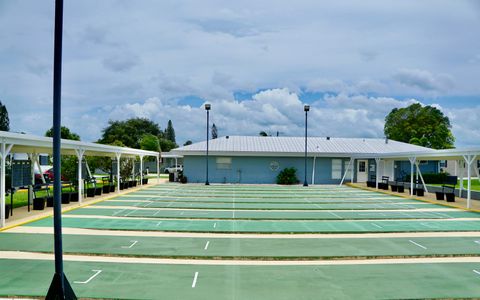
x: 258, y: 170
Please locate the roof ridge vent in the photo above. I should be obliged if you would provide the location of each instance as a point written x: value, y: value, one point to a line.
x: 328, y: 138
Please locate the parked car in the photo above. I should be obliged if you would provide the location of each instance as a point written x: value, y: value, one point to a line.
x: 173, y: 169
x: 48, y: 175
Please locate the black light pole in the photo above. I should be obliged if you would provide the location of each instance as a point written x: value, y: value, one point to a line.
x: 207, y: 108
x: 59, y: 288
x: 306, y: 108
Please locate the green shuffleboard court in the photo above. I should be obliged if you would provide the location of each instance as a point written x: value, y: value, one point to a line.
x: 157, y: 281
x: 191, y: 241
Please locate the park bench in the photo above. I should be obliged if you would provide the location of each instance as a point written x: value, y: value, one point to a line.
x: 448, y: 189
x: 418, y: 188
x: 106, y: 185
x: 39, y: 201
x: 372, y: 182
x: 91, y: 187
x: 384, y: 183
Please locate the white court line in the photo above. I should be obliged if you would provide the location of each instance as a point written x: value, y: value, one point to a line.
x: 182, y: 213
x: 156, y: 213
x: 417, y: 244
x: 158, y: 224
x: 335, y: 215
x: 89, y: 279
x: 376, y: 225
x: 215, y: 225
x: 475, y: 271
x: 206, y: 245
x: 478, y: 242
x: 128, y: 247
x: 127, y: 214
x: 194, y: 283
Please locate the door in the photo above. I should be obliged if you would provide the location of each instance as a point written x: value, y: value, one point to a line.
x: 362, y: 171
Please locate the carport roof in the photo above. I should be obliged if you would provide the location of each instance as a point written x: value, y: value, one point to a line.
x: 26, y: 143
x: 295, y: 146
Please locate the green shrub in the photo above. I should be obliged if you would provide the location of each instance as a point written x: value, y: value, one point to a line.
x: 287, y: 176
x: 430, y: 178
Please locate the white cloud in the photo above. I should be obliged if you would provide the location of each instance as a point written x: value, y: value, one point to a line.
x: 424, y: 80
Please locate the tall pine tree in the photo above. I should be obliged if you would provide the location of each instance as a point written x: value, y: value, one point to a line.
x: 214, y: 131
x: 4, y: 120
x: 170, y: 132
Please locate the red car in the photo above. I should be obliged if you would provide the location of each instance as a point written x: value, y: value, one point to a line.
x: 48, y: 175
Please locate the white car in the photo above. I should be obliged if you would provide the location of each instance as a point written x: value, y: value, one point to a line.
x: 173, y: 169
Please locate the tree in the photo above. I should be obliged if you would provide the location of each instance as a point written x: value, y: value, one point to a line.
x: 189, y: 142
x: 65, y: 133
x: 167, y: 145
x: 420, y: 125
x: 262, y: 133
x: 129, y: 132
x: 170, y: 132
x: 214, y: 132
x: 150, y: 142
x: 4, y: 120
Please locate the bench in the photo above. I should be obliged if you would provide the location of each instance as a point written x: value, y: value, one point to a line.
x: 384, y: 183
x: 372, y: 182
x: 69, y: 193
x: 39, y: 201
x: 448, y: 189
x: 418, y: 188
x: 106, y: 185
x: 397, y: 185
x: 91, y: 187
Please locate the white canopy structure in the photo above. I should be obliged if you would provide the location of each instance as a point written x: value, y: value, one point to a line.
x: 34, y: 145
x: 467, y: 156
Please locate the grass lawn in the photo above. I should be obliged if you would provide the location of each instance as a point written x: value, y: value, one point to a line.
x: 474, y: 182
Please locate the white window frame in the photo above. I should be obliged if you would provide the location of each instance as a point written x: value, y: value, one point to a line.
x: 337, y: 168
x: 224, y: 163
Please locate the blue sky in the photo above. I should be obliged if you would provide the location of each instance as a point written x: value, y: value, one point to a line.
x: 256, y: 62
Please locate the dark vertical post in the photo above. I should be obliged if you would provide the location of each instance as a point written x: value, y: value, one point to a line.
x: 207, y: 108
x: 59, y: 288
x: 306, y: 108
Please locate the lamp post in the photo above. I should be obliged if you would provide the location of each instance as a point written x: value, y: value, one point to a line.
x: 207, y: 108
x: 306, y: 108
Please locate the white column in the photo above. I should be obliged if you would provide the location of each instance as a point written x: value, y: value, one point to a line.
x: 469, y: 159
x: 461, y: 172
x: 4, y: 152
x: 158, y: 168
x: 346, y: 171
x: 412, y: 162
x: 421, y: 177
x: 32, y: 176
x: 141, y: 169
x: 118, y: 156
x: 313, y: 170
x: 377, y: 166
x: 80, y: 153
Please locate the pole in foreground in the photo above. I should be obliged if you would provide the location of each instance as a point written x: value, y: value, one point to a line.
x: 306, y: 108
x: 207, y: 108
x: 60, y: 287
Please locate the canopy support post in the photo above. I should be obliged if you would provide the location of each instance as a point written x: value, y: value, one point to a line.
x: 118, y: 156
x: 346, y: 171
x: 5, y: 150
x: 469, y: 159
x: 141, y: 169
x: 377, y: 166
x: 412, y: 162
x: 419, y: 173
x: 80, y: 153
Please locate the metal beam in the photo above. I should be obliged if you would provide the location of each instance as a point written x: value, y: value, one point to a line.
x: 469, y: 159
x: 412, y: 162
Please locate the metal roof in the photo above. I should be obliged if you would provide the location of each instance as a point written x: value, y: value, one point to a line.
x: 295, y: 146
x: 26, y: 143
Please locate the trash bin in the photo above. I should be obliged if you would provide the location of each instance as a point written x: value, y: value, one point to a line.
x: 171, y: 177
x: 7, y: 211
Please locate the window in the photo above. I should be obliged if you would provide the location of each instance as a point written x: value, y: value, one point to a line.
x: 345, y: 167
x: 224, y: 163
x: 361, y: 166
x: 443, y: 164
x: 336, y: 169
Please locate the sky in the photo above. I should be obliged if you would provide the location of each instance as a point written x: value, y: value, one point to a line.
x: 256, y: 62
